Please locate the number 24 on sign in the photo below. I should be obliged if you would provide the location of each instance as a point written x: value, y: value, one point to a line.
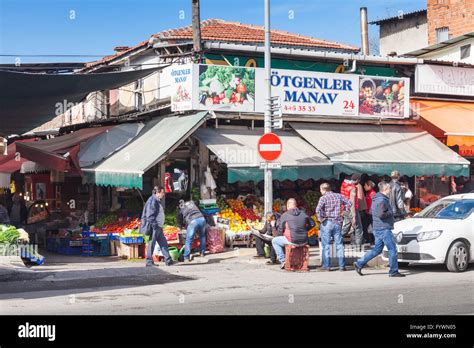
x: 348, y: 104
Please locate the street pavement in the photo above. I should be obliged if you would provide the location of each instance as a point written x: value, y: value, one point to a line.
x: 228, y: 283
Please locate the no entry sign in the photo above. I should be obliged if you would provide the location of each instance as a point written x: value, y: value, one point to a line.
x: 269, y: 147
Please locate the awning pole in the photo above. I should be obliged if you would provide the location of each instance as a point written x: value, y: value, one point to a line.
x: 268, y: 199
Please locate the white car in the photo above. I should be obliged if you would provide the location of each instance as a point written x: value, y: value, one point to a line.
x: 442, y: 233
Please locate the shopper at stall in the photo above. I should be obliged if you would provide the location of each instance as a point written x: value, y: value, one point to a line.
x: 17, y: 211
x: 4, y: 218
x: 383, y: 225
x: 294, y: 225
x: 396, y: 197
x: 352, y: 223
x: 153, y: 218
x: 329, y: 212
x: 406, y: 193
x: 189, y: 214
x: 269, y: 229
x: 366, y: 224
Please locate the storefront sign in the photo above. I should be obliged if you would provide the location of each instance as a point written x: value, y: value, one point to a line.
x: 182, y: 87
x: 303, y: 92
x: 440, y: 79
x: 240, y: 89
x: 226, y: 88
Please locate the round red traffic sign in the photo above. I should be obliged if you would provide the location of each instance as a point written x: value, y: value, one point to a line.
x: 269, y: 146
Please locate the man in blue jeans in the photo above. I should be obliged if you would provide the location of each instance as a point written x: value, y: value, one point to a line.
x: 383, y: 221
x: 330, y: 214
x: 294, y: 225
x: 189, y: 214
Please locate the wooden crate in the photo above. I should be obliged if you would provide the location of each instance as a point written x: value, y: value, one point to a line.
x: 297, y: 258
x: 131, y: 251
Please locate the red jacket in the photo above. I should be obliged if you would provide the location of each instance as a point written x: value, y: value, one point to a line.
x: 368, y: 198
x: 346, y: 188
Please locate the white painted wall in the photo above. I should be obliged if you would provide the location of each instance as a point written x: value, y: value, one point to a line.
x: 452, y: 53
x: 403, y: 36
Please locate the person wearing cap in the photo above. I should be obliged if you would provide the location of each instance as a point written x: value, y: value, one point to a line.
x: 397, y: 199
x: 353, y: 221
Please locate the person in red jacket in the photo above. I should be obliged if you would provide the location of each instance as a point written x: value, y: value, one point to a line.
x: 370, y: 192
x: 352, y: 221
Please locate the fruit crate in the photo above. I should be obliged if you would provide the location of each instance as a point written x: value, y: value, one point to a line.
x: 132, y: 240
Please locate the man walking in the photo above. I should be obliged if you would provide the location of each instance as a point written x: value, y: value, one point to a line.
x: 294, y: 224
x: 397, y: 197
x: 189, y: 214
x: 382, y: 226
x: 329, y: 212
x: 153, y: 218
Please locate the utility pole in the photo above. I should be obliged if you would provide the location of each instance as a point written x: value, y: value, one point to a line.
x: 196, y: 24
x: 268, y: 177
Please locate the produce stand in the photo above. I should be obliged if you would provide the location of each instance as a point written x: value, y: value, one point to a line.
x: 14, y: 242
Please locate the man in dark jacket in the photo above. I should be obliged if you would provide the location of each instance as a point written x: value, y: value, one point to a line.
x: 269, y: 229
x: 383, y: 221
x: 397, y: 197
x: 189, y: 214
x: 153, y: 218
x: 294, y: 224
x: 18, y: 211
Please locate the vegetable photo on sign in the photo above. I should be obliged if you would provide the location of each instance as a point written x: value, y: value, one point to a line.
x: 382, y: 97
x: 223, y: 87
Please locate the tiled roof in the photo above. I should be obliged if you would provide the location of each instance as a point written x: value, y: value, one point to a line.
x: 225, y: 31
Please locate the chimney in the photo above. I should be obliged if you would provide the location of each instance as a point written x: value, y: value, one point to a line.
x: 120, y: 49
x: 196, y: 25
x: 364, y: 30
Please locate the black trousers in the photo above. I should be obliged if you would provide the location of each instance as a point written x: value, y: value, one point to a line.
x: 366, y: 222
x: 260, y: 244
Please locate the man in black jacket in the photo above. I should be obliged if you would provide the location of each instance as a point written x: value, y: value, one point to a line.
x: 269, y: 229
x: 189, y: 214
x: 294, y: 224
x: 397, y: 197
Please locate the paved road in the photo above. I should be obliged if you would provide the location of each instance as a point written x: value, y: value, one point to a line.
x: 232, y: 283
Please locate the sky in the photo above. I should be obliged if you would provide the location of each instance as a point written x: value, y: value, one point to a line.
x: 89, y: 29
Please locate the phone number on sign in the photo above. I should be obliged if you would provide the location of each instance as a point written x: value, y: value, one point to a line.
x: 348, y: 107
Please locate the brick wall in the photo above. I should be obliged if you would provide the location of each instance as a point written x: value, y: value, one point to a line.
x: 457, y: 15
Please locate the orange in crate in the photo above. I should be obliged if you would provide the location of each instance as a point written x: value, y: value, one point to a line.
x: 297, y: 258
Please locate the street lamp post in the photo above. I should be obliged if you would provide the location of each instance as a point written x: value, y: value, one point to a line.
x: 268, y: 199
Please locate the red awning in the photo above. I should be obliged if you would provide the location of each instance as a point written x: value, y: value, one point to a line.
x: 11, y: 163
x: 59, y: 153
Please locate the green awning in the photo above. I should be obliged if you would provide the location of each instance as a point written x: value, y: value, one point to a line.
x: 155, y: 141
x: 238, y: 149
x: 379, y: 149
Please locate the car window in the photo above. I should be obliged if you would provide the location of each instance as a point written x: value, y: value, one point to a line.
x: 448, y: 209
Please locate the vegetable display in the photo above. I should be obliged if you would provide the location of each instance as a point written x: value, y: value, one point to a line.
x: 8, y: 234
x: 227, y: 86
x: 381, y: 97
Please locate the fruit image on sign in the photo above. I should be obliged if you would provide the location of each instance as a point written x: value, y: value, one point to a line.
x: 269, y: 147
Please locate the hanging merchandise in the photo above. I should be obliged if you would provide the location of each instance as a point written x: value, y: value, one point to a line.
x: 168, y: 183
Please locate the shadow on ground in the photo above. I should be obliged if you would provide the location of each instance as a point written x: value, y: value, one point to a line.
x: 36, y: 285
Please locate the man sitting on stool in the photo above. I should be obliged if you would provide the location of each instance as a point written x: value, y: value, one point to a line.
x: 294, y: 225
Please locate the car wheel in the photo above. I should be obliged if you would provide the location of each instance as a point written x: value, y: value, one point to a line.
x: 458, y: 257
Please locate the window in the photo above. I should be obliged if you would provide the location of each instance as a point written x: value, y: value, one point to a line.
x: 465, y: 51
x: 442, y: 34
x: 448, y: 209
